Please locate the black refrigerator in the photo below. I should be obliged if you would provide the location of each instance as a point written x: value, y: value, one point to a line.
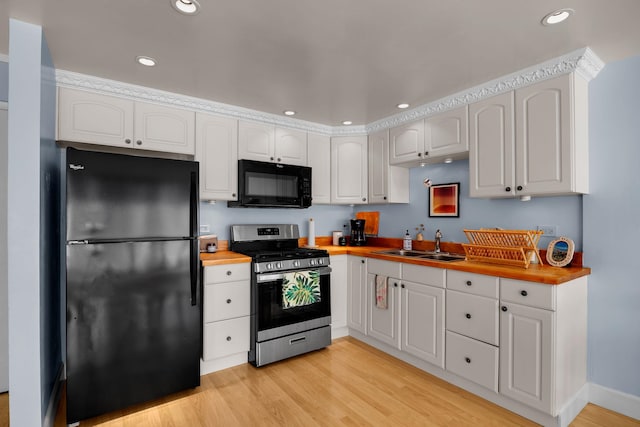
x: 132, y: 266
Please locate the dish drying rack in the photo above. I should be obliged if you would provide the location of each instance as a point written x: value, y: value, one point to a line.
x: 508, y: 247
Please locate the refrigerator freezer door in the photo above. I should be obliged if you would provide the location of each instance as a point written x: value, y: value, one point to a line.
x: 121, y: 197
x: 132, y: 332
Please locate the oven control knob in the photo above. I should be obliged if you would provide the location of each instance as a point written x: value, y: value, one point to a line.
x: 312, y: 262
x: 278, y: 265
x: 269, y: 266
x: 320, y: 261
x: 296, y: 263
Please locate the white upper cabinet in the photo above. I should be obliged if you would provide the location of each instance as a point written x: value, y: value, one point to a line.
x: 387, y: 184
x: 266, y: 143
x: 349, y: 171
x: 217, y: 152
x: 319, y: 151
x: 107, y: 120
x: 431, y: 140
x: 532, y: 141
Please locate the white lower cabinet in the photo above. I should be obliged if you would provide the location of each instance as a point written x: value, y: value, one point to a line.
x: 357, y: 293
x: 339, y: 295
x: 226, y: 317
x: 473, y: 360
x: 383, y: 322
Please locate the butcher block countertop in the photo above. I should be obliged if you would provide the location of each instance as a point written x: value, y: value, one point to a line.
x: 535, y: 273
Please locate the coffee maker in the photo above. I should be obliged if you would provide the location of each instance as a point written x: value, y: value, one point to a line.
x: 357, y: 233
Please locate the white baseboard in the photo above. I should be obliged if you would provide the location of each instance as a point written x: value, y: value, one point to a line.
x: 614, y: 400
x: 54, y: 399
x: 209, y: 366
x: 339, y: 332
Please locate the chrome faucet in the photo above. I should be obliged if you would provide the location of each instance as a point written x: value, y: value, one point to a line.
x: 438, y: 237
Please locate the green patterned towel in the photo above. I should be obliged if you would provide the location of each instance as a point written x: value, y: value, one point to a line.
x: 300, y: 288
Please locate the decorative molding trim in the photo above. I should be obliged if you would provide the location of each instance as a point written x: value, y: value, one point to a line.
x: 582, y: 61
x: 626, y: 404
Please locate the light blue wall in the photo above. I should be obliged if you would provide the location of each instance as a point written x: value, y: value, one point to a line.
x: 4, y: 81
x: 612, y: 227
x: 326, y: 218
x: 564, y: 212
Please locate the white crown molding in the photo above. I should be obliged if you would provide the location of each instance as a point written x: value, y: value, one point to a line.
x: 582, y: 61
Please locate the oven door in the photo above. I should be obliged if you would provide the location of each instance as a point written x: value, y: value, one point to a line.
x: 292, y: 301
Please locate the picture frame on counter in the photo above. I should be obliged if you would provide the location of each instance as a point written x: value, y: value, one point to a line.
x: 444, y: 200
x: 560, y: 252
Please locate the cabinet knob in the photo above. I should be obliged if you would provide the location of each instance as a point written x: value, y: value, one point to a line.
x: 468, y: 316
x: 519, y: 188
x: 395, y: 284
x: 228, y: 300
x: 384, y: 198
x: 233, y: 194
x: 504, y: 308
x: 364, y: 199
x: 271, y: 158
x: 419, y: 154
x: 127, y: 141
x: 362, y: 261
x: 524, y: 293
x: 426, y: 153
x: 139, y: 142
x: 402, y: 286
x: 469, y: 283
x: 279, y: 159
x: 508, y: 189
x: 228, y: 272
x: 228, y: 338
x: 467, y: 359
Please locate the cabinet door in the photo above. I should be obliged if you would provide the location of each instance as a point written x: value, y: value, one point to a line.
x: 256, y: 141
x: 491, y: 150
x: 422, y: 325
x: 543, y: 137
x: 291, y: 147
x: 166, y: 129
x: 406, y: 143
x: 349, y: 170
x: 217, y: 152
x: 447, y: 133
x: 319, y: 152
x: 526, y: 346
x: 357, y: 293
x: 93, y: 118
x: 383, y: 322
x: 378, y: 166
x: 339, y: 291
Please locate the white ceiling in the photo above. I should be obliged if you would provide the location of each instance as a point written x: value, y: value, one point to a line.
x: 330, y: 60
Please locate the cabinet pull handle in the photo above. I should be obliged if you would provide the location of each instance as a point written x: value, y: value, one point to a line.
x: 467, y: 359
x: 469, y: 283
x: 524, y: 293
x: 228, y: 300
x: 228, y: 272
x: 468, y: 316
x: 519, y: 188
x: 508, y: 189
x: 139, y: 142
x: 228, y: 338
x: 504, y: 308
x: 127, y: 141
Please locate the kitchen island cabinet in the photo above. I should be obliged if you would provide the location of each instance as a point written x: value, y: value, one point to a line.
x: 94, y: 118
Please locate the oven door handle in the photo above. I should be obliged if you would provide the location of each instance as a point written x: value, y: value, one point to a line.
x: 271, y: 277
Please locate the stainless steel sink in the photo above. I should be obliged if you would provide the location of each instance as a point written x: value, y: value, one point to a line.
x: 440, y: 256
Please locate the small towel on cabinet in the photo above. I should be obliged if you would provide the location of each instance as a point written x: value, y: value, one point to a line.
x: 300, y: 288
x: 381, y: 292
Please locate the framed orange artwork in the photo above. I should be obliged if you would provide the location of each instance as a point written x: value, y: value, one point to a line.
x: 444, y: 200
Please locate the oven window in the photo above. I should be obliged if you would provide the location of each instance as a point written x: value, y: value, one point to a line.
x: 259, y: 184
x: 271, y: 311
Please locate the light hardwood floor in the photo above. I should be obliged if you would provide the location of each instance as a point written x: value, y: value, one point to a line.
x: 347, y: 384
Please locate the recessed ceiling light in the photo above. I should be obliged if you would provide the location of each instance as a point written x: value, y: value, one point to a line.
x: 186, y: 7
x: 289, y: 113
x: 146, y: 61
x: 557, y: 16
x: 403, y: 105
x: 347, y: 122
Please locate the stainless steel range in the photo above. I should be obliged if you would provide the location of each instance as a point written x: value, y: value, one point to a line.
x: 290, y: 285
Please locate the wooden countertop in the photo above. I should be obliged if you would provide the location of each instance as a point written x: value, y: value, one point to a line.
x: 535, y: 273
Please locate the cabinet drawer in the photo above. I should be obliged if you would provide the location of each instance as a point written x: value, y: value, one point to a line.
x: 472, y: 283
x: 384, y: 268
x: 226, y: 301
x: 426, y: 275
x: 473, y: 316
x: 227, y: 273
x: 528, y: 293
x: 473, y: 360
x: 225, y: 338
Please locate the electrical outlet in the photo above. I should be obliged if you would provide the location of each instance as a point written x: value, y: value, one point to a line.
x: 204, y: 228
x: 548, y: 230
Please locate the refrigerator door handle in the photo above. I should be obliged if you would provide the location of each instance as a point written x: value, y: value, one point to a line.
x: 195, y: 252
x: 195, y: 244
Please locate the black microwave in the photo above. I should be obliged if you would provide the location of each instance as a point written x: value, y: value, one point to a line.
x: 272, y: 185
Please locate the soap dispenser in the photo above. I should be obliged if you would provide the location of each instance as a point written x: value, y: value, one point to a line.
x: 406, y: 243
